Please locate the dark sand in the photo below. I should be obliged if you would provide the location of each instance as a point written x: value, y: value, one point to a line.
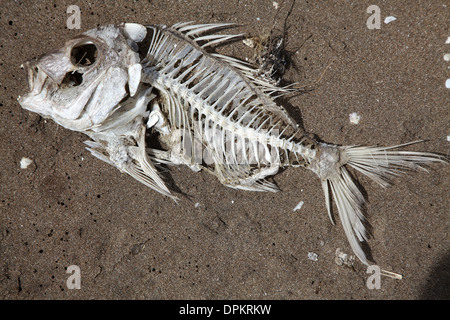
x: 68, y: 208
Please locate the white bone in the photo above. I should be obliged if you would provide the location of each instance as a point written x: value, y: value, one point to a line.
x: 135, y: 31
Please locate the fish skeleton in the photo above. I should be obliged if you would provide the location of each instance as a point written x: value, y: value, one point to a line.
x: 209, y: 111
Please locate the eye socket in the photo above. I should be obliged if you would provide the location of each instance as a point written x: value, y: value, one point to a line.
x: 84, y: 55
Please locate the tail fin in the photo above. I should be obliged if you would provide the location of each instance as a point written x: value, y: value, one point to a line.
x: 379, y: 164
x: 382, y: 164
x: 350, y: 202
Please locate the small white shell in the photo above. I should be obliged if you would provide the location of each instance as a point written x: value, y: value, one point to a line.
x: 354, y: 118
x: 313, y: 256
x: 389, y: 19
x: 299, y: 206
x: 25, y: 162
